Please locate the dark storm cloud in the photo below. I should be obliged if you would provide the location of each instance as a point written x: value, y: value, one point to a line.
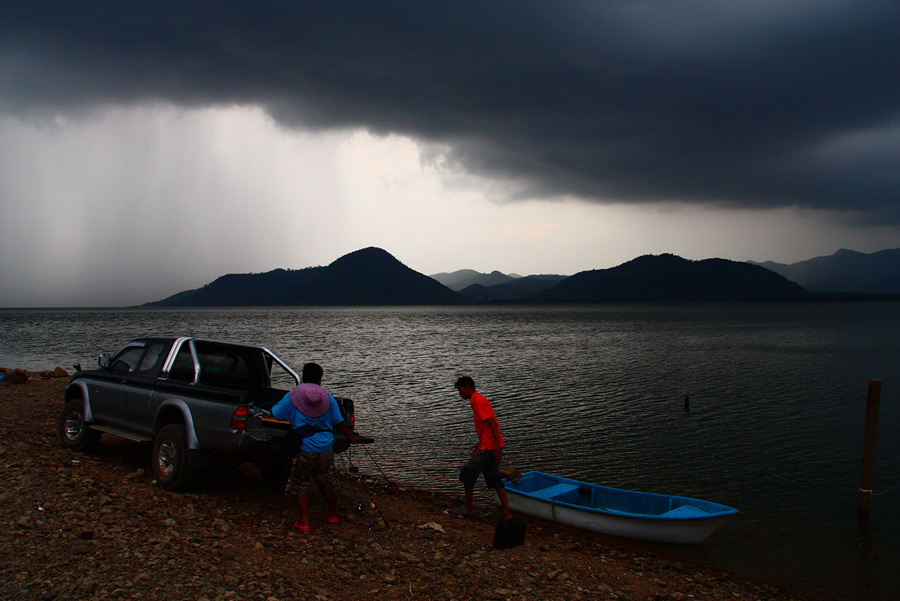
x: 738, y: 103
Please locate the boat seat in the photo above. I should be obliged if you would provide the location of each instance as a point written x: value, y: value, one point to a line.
x: 555, y: 491
x: 685, y: 512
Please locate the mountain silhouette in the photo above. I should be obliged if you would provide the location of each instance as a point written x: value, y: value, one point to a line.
x: 845, y: 271
x: 370, y: 276
x: 665, y: 278
x: 459, y: 280
x: 513, y: 290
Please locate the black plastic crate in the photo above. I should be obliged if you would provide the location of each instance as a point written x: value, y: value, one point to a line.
x: 509, y: 533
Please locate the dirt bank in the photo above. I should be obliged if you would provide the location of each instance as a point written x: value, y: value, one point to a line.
x: 96, y: 527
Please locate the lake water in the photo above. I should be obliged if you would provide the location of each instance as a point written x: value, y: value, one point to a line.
x: 775, y: 427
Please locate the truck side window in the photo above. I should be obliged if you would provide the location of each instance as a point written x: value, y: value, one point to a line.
x: 152, y: 357
x: 127, y: 360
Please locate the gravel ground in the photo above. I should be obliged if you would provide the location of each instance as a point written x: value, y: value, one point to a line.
x: 95, y: 526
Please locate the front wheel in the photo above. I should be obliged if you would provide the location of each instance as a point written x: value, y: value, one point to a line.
x: 170, y: 459
x: 74, y: 432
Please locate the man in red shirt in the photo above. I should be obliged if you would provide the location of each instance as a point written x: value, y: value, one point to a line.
x: 486, y: 454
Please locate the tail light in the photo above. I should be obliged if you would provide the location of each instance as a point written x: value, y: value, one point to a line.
x: 239, y: 418
x: 352, y: 422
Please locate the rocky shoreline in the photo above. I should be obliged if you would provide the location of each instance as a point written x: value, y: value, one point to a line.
x: 96, y: 527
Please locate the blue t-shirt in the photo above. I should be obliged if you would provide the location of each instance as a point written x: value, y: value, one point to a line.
x: 320, y: 442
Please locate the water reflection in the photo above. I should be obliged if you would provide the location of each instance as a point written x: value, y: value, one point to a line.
x: 864, y: 567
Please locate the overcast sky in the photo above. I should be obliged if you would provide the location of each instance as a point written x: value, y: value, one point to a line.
x: 150, y: 147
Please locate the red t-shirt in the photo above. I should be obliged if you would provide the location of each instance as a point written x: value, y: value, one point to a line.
x: 482, y: 410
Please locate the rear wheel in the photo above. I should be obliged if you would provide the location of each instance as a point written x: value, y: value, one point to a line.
x: 74, y: 432
x: 170, y: 458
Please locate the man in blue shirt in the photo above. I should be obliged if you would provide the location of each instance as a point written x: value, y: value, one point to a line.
x: 309, y: 407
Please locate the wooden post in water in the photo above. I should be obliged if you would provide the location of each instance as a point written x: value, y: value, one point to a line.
x: 867, y: 474
x: 687, y: 403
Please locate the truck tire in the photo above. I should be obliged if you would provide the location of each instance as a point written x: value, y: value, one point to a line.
x: 74, y: 432
x: 170, y: 458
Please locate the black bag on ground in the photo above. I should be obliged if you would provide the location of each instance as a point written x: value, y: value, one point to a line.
x: 509, y: 533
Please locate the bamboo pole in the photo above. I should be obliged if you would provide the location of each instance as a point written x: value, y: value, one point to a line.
x: 867, y: 473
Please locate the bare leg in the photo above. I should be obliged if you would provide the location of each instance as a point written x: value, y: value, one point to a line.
x: 504, y: 503
x: 469, y: 493
x: 303, y: 504
x: 331, y: 512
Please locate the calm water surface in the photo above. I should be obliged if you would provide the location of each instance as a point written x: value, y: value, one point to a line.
x: 777, y: 405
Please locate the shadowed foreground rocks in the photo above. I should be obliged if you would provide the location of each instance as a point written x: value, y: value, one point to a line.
x: 95, y: 526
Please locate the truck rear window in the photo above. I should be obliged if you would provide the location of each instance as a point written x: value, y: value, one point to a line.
x: 229, y: 366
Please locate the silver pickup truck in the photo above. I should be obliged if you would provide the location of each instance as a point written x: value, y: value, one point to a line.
x: 194, y: 399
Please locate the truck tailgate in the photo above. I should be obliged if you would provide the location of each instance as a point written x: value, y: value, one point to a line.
x: 265, y: 427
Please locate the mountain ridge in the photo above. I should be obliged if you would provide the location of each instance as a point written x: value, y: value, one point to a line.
x: 845, y: 271
x: 463, y: 278
x: 513, y: 290
x: 668, y: 278
x: 364, y: 277
x: 372, y: 276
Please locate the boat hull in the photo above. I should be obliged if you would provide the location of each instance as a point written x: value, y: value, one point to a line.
x: 616, y: 512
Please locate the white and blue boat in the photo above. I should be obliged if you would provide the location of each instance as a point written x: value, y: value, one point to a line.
x: 615, y: 511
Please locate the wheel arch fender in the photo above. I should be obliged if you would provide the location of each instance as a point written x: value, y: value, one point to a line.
x: 174, y: 411
x: 79, y: 390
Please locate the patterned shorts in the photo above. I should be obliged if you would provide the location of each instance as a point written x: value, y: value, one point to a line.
x: 313, y: 466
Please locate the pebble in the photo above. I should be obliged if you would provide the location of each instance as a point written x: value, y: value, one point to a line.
x: 138, y: 474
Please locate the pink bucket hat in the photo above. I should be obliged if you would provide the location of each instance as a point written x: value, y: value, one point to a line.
x: 310, y: 399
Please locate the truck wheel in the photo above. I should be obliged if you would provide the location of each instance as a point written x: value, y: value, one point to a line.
x: 74, y: 432
x: 170, y: 460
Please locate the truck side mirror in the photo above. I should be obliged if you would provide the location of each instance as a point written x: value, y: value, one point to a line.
x: 103, y: 361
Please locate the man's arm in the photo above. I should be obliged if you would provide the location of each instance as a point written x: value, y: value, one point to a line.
x: 494, y: 425
x: 282, y: 409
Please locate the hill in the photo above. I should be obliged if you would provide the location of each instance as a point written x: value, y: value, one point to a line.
x: 370, y: 276
x: 463, y: 278
x: 511, y: 291
x: 845, y: 271
x: 665, y: 278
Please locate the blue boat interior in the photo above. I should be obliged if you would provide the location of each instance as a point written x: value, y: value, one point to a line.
x: 613, y: 500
